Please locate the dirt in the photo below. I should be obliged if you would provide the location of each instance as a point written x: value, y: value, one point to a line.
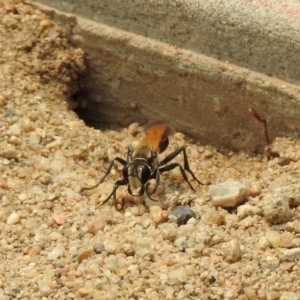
x: 59, y: 243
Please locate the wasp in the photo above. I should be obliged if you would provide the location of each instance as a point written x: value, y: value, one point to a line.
x: 143, y: 164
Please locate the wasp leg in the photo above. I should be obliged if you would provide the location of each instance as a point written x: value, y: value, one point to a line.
x: 130, y: 150
x: 155, y: 175
x: 185, y: 161
x: 173, y: 166
x: 122, y: 161
x: 114, y: 191
x: 149, y: 195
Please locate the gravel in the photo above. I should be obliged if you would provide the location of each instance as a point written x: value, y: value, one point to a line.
x: 56, y: 243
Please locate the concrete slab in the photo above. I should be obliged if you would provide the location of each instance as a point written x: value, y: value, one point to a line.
x: 198, y: 64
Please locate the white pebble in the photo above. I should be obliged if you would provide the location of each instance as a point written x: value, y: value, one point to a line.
x: 291, y: 254
x: 232, y: 251
x: 110, y: 247
x: 45, y: 281
x: 274, y: 238
x: 54, y: 236
x: 178, y: 275
x: 13, y: 218
x: 56, y: 252
x: 15, y: 129
x: 228, y: 194
x: 289, y: 296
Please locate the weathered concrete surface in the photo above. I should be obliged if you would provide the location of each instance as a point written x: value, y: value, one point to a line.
x: 168, y: 75
x: 261, y: 35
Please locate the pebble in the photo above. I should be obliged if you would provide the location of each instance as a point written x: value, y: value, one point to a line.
x: 276, y: 208
x: 156, y: 214
x: 212, y: 216
x: 13, y: 218
x: 274, y: 238
x: 185, y: 230
x: 54, y: 236
x: 45, y: 282
x: 56, y: 252
x: 85, y: 255
x: 177, y: 276
x: 99, y: 248
x: 250, y: 293
x: 110, y: 247
x: 247, y: 210
x: 9, y: 153
x: 291, y: 254
x: 292, y: 192
x: 278, y: 183
x: 228, y: 194
x: 168, y: 231
x: 289, y: 296
x: 232, y: 251
x: 181, y: 215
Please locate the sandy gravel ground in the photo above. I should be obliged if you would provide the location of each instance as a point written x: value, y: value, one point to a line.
x: 56, y: 243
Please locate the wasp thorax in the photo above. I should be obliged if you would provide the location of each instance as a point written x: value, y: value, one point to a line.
x: 143, y: 152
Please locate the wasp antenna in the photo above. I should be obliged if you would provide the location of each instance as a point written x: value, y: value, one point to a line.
x: 253, y: 112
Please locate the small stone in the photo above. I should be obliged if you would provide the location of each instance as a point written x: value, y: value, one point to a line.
x: 13, y: 218
x: 112, y: 264
x: 274, y: 238
x: 169, y: 231
x: 276, y: 208
x: 248, y: 222
x: 177, y: 276
x: 292, y: 191
x: 287, y: 266
x: 15, y: 129
x: 278, y: 183
x: 263, y: 243
x: 250, y: 293
x: 127, y: 249
x: 9, y: 153
x: 45, y: 178
x: 56, y: 252
x: 83, y: 292
x: 232, y: 251
x: 33, y: 251
x: 98, y: 248
x: 289, y: 296
x: 291, y: 254
x: 247, y: 210
x: 59, y: 219
x: 110, y: 247
x: 45, y: 282
x: 185, y: 230
x: 54, y: 236
x: 34, y: 138
x: 212, y: 216
x: 228, y: 194
x: 95, y: 226
x: 85, y: 255
x: 181, y: 215
x: 156, y: 214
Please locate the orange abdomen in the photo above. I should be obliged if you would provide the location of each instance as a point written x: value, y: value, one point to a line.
x: 156, y: 136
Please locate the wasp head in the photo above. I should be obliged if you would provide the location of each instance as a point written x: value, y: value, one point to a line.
x: 137, y: 173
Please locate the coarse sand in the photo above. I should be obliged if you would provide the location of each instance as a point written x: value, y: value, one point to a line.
x: 58, y: 243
